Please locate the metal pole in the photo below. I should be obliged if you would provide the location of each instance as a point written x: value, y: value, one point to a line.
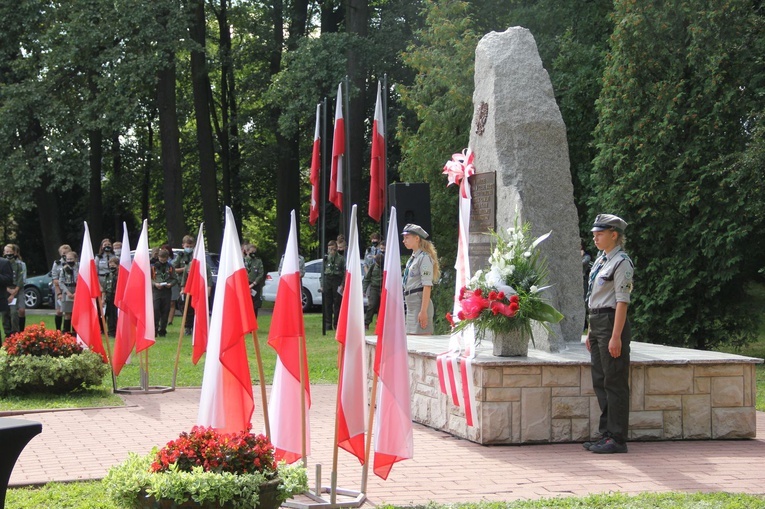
x: 323, y: 205
x: 384, y: 222
x: 347, y: 200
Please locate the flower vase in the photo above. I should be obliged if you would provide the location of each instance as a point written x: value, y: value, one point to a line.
x: 514, y: 343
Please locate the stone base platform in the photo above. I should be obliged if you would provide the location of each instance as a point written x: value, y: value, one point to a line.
x: 676, y: 394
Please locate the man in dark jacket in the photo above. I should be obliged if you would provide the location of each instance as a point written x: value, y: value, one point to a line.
x: 6, y: 280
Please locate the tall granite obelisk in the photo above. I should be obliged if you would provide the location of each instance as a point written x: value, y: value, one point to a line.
x: 518, y: 135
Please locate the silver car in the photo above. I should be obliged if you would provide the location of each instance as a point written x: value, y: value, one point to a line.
x: 311, y: 285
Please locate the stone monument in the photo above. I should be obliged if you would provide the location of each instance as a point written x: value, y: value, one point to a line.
x: 521, y: 153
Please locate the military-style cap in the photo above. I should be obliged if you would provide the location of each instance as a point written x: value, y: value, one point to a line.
x: 608, y: 222
x: 415, y: 229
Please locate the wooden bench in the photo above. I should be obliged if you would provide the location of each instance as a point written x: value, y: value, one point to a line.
x: 15, y: 434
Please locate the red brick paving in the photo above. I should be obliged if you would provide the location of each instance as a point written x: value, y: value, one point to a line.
x: 83, y: 444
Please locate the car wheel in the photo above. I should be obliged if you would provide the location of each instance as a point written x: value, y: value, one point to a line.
x: 305, y: 298
x: 32, y: 297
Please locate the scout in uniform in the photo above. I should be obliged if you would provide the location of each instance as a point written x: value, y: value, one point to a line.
x: 67, y: 282
x: 109, y: 290
x: 420, y: 273
x: 163, y: 278
x: 332, y: 278
x: 255, y: 275
x: 372, y: 286
x: 608, y: 338
x: 15, y: 292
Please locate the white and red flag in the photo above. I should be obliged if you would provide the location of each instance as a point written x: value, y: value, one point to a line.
x: 196, y: 289
x: 315, y: 177
x: 393, y: 434
x: 338, y: 154
x: 124, y: 340
x: 352, y: 390
x: 377, y: 166
x: 226, y: 402
x: 137, y: 300
x: 289, y: 424
x: 88, y: 289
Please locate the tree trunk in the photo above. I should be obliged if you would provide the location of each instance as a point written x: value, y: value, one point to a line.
x: 95, y: 202
x: 356, y: 21
x: 147, y: 166
x: 171, y: 154
x: 201, y: 88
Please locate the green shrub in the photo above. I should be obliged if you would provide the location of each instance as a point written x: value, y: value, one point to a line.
x: 29, y: 373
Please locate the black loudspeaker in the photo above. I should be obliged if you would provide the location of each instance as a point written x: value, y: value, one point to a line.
x: 412, y: 202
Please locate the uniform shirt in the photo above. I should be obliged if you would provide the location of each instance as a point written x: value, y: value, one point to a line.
x: 55, y: 270
x: 334, y: 268
x: 67, y: 279
x: 182, y: 261
x: 102, y: 263
x: 418, y: 271
x: 254, y: 268
x: 373, y: 278
x: 163, y: 273
x: 110, y: 284
x: 612, y: 281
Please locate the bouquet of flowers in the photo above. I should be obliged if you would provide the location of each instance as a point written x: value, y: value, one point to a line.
x: 509, y: 294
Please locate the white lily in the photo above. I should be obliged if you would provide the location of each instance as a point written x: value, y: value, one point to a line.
x: 540, y: 239
x: 527, y: 254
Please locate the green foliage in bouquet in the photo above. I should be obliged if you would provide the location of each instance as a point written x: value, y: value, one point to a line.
x: 508, y: 295
x: 47, y: 361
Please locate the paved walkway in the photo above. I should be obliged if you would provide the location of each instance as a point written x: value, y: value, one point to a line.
x: 83, y: 444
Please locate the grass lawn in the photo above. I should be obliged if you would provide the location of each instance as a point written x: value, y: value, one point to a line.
x: 322, y: 363
x: 91, y: 495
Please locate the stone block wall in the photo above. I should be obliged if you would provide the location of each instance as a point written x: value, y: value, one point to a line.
x: 532, y: 400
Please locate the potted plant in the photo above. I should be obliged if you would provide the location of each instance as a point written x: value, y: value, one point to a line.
x: 502, y: 301
x: 206, y: 469
x: 42, y: 360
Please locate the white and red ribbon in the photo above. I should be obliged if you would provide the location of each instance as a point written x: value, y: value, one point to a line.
x: 455, y: 366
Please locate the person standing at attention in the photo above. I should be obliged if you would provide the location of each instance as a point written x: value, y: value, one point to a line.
x: 333, y: 275
x: 255, y: 275
x: 608, y: 337
x: 420, y: 273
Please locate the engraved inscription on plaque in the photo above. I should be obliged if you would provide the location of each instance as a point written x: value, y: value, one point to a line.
x: 482, y: 217
x: 483, y: 204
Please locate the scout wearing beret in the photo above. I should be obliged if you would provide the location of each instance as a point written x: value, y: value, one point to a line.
x: 608, y: 337
x: 420, y: 273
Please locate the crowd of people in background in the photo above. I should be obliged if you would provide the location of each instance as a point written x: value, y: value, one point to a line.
x: 169, y: 273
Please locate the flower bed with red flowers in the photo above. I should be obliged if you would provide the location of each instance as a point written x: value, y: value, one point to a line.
x: 205, y: 468
x: 37, y: 340
x: 47, y: 361
x: 238, y: 453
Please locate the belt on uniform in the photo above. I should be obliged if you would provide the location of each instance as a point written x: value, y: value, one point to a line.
x: 597, y: 311
x: 409, y: 292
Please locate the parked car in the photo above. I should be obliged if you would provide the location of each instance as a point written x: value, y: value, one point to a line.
x: 38, y: 291
x: 311, y: 285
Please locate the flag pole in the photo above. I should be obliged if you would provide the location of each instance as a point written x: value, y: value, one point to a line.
x: 146, y: 380
x: 323, y: 204
x: 108, y: 348
x: 384, y: 222
x: 180, y: 339
x: 262, y: 376
x: 335, y: 448
x: 301, y: 360
x: 370, y: 427
x: 347, y: 199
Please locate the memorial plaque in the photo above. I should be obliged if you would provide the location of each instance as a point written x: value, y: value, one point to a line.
x: 482, y: 218
x: 483, y: 204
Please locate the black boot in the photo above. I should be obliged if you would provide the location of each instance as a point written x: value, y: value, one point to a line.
x: 58, y: 319
x: 67, y: 326
x: 22, y: 323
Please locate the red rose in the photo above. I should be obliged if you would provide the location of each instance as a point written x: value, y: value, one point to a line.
x: 514, y: 298
x: 478, y: 292
x: 450, y: 319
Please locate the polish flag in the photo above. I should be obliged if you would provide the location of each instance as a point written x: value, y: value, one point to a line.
x: 85, y: 311
x: 287, y: 337
x: 226, y: 403
x: 338, y: 154
x: 377, y: 166
x: 352, y: 392
x: 196, y: 288
x: 393, y: 416
x: 315, y: 168
x: 124, y: 340
x: 137, y: 300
